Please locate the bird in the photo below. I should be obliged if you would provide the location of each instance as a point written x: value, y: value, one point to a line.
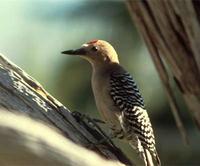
x: 118, y: 99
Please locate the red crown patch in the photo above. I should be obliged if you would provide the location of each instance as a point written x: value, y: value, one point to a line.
x: 92, y: 41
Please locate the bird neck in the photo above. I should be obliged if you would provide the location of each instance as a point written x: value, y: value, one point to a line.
x: 104, y: 67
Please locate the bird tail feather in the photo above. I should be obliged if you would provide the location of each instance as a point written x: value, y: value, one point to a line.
x: 156, y: 157
x: 148, y: 158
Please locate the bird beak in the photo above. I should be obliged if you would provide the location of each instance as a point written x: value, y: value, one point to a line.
x: 80, y: 51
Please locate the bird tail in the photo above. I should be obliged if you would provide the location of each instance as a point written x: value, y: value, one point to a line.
x: 148, y: 156
x: 157, y: 159
x: 149, y: 160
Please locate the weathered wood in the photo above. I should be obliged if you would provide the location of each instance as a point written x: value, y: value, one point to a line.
x: 171, y: 32
x: 21, y: 93
x: 26, y: 142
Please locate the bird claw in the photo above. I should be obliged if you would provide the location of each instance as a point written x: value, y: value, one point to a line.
x: 90, y: 120
x: 93, y: 122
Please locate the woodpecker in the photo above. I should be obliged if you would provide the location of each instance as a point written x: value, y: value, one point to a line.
x: 118, y: 99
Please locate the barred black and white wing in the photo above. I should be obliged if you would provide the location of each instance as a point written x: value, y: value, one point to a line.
x: 128, y: 99
x: 124, y: 91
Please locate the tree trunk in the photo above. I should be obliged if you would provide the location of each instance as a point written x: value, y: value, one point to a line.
x: 171, y: 32
x: 20, y: 93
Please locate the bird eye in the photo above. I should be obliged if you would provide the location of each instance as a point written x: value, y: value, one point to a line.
x: 94, y: 49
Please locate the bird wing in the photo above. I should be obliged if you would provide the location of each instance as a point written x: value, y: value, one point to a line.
x: 124, y: 91
x: 127, y: 98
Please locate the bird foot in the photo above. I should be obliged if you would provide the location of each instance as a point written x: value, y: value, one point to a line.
x: 81, y: 117
x: 93, y: 123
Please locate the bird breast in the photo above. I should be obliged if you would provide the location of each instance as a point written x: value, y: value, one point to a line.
x: 104, y: 103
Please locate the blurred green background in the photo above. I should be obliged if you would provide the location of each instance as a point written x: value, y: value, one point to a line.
x: 33, y: 33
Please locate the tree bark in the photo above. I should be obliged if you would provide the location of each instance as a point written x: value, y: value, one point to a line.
x: 22, y: 94
x: 25, y: 141
x: 171, y: 32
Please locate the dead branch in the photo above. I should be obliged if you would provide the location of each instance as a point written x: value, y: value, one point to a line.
x: 21, y: 93
x: 171, y: 32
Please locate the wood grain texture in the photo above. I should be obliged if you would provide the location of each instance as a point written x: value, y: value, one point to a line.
x: 22, y: 94
x: 25, y: 141
x: 171, y: 32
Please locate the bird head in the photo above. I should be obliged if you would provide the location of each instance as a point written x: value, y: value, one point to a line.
x: 97, y: 52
